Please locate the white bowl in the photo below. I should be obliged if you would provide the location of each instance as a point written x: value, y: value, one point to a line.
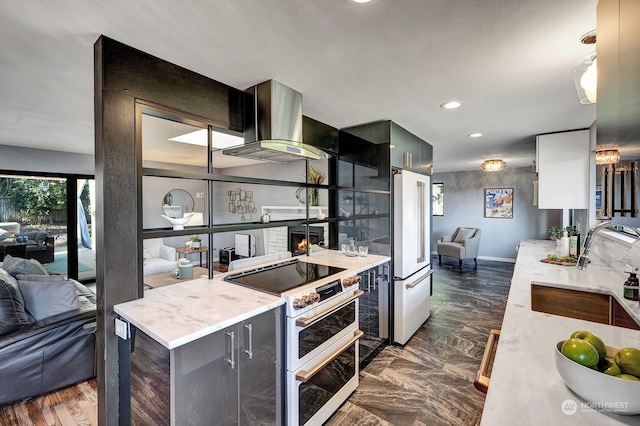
x: 601, y: 391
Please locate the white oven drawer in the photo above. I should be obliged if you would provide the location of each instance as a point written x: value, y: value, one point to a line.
x: 318, y: 388
x: 309, y: 335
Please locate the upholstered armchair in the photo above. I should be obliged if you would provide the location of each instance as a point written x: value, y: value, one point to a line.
x: 464, y: 243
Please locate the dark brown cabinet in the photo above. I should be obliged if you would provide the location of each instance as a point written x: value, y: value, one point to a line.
x: 571, y: 303
x: 621, y: 318
x: 583, y: 305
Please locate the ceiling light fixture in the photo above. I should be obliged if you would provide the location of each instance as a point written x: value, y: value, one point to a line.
x: 451, y: 105
x: 493, y: 165
x: 219, y: 140
x: 361, y: 1
x: 609, y: 156
x: 475, y: 135
x: 585, y: 73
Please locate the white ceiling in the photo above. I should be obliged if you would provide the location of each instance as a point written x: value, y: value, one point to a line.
x: 509, y: 61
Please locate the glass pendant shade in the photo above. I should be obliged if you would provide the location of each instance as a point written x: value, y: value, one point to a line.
x: 585, y: 78
x: 493, y: 165
x: 610, y: 156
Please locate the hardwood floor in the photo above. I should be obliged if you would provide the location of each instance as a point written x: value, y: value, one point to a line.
x: 73, y: 405
x: 428, y: 382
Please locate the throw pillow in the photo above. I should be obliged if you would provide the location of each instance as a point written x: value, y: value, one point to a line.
x: 40, y: 278
x: 146, y: 254
x: 44, y: 299
x: 12, y: 312
x: 17, y: 265
x: 463, y: 234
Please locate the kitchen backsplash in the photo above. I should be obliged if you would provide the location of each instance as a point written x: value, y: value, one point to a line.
x: 611, y: 250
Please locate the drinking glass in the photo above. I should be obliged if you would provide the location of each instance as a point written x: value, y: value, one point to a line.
x: 363, y: 251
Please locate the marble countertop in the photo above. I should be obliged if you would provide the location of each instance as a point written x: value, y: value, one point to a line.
x: 183, y: 312
x: 525, y: 386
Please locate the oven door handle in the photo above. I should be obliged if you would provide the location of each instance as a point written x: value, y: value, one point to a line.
x: 304, y: 376
x: 304, y: 322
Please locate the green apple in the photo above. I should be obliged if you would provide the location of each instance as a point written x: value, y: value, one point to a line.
x: 628, y: 359
x: 608, y: 366
x: 628, y: 377
x: 580, y: 351
x: 593, y: 339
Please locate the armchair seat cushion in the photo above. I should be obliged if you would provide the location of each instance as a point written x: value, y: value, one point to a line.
x: 457, y: 250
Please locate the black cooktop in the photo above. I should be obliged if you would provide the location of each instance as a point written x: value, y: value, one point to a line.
x: 283, y: 276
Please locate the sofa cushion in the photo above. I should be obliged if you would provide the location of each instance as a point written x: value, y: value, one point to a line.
x: 43, y: 299
x: 463, y: 234
x: 12, y: 310
x: 17, y: 265
x: 41, y: 278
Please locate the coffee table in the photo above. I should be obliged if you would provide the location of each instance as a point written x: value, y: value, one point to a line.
x: 167, y: 278
x: 186, y: 251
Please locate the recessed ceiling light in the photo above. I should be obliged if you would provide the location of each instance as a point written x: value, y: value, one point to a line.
x: 219, y: 140
x: 475, y: 135
x: 451, y: 105
x: 361, y: 1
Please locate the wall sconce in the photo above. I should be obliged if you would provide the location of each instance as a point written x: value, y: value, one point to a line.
x: 585, y: 73
x: 609, y: 156
x: 493, y: 165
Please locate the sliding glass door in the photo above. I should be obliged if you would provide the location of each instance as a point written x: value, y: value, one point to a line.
x: 35, y: 213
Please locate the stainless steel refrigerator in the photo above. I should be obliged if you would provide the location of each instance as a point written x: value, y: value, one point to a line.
x: 411, y: 253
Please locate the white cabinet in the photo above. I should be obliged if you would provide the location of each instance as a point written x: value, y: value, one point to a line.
x: 563, y: 170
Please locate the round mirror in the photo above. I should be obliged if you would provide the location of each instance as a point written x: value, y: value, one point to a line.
x: 176, y: 203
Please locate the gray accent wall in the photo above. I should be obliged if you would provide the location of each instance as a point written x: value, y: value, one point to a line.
x: 47, y: 161
x: 464, y: 206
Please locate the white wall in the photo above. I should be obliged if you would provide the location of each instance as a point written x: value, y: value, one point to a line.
x: 43, y: 160
x: 464, y: 206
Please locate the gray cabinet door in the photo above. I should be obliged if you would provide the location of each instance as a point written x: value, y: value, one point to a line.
x: 260, y: 374
x: 205, y: 374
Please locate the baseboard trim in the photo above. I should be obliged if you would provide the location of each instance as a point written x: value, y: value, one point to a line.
x: 496, y: 259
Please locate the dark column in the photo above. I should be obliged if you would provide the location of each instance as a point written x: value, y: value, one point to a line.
x: 117, y: 226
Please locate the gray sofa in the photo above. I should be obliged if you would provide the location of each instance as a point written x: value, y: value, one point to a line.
x: 40, y: 353
x: 39, y: 246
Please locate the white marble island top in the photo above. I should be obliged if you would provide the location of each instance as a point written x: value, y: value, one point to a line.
x: 525, y: 387
x: 181, y: 313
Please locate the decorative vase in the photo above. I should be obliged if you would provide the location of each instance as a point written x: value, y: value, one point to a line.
x: 313, y: 197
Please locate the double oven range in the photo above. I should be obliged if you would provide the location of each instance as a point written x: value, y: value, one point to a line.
x: 321, y: 333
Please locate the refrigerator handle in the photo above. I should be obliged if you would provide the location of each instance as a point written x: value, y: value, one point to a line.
x: 421, y: 220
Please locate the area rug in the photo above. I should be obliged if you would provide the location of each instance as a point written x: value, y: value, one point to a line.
x: 59, y: 265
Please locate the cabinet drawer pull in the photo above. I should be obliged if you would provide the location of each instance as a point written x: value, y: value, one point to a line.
x: 249, y: 351
x: 482, y: 380
x: 231, y: 360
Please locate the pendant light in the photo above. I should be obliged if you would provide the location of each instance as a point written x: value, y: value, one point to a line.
x: 585, y: 73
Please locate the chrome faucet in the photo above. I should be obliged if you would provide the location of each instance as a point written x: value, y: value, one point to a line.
x: 583, y: 259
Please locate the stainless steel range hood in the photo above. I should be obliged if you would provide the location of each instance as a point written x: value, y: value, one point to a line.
x: 273, y: 126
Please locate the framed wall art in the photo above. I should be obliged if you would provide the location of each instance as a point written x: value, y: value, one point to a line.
x: 437, y: 198
x: 498, y: 203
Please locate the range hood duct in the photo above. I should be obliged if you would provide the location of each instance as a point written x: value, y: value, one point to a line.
x: 273, y: 126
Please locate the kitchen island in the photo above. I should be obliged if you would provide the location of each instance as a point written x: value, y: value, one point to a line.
x: 525, y: 387
x: 209, y: 349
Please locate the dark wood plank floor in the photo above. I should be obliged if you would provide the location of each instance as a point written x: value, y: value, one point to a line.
x: 428, y: 382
